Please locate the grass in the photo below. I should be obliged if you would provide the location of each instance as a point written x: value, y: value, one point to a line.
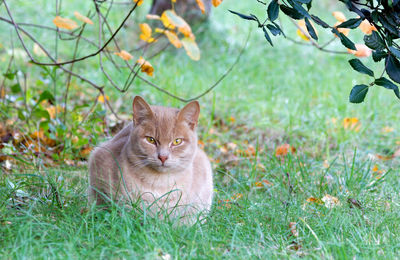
x: 286, y: 94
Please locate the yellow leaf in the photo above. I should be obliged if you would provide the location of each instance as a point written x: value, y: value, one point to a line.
x: 216, y: 2
x: 53, y: 110
x: 387, y: 129
x: 64, y: 23
x: 139, y: 2
x: 83, y: 18
x: 375, y: 168
x: 201, y: 5
x: 38, y: 51
x: 146, y: 33
x: 339, y: 16
x: 366, y: 27
x: 145, y: 66
x: 171, y: 20
x: 351, y: 123
x: 102, y: 99
x: 173, y: 38
x: 124, y: 55
x: 191, y: 48
x: 330, y: 201
x: 302, y: 25
x: 314, y: 200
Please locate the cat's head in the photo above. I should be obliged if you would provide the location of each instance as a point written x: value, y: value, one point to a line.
x: 164, y: 138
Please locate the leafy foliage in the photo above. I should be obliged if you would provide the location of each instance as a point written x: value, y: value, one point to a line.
x: 379, y: 20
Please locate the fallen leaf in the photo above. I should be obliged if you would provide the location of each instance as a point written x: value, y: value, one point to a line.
x: 124, y: 55
x: 315, y: 200
x: 330, y: 201
x: 387, y: 129
x: 65, y: 23
x: 351, y: 123
x: 339, y: 16
x: 82, y: 18
x: 293, y: 230
x: 354, y: 202
x: 284, y: 149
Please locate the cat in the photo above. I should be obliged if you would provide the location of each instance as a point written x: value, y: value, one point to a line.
x: 154, y: 159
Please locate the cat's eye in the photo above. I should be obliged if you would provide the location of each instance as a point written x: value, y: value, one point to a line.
x: 150, y: 140
x: 177, y: 141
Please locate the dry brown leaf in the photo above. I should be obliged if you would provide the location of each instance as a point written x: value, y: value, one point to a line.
x: 284, y: 149
x: 293, y: 230
x: 330, y: 201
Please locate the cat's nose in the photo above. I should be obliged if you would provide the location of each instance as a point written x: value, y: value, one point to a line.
x: 163, y: 158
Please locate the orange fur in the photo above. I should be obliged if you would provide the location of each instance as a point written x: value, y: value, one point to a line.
x: 177, y: 178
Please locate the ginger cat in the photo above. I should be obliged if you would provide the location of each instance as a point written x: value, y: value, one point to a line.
x: 155, y: 159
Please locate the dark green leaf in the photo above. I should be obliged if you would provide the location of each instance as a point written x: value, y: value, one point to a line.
x: 357, y: 65
x: 275, y: 31
x: 16, y: 88
x: 273, y: 10
x: 291, y: 12
x: 384, y: 82
x: 344, y: 40
x: 358, y: 93
x: 378, y: 55
x: 393, y: 68
x: 310, y: 29
x: 395, y: 51
x: 243, y: 16
x: 351, y: 23
x: 374, y: 41
x: 318, y: 21
x: 267, y: 36
x: 300, y: 9
x: 303, y: 1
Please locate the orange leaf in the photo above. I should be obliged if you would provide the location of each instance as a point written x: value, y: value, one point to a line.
x: 146, y: 33
x: 101, y: 98
x: 145, y: 66
x: 216, y: 2
x: 339, y: 16
x: 366, y: 27
x: 284, y: 149
x: 83, y: 18
x: 171, y: 20
x: 201, y: 5
x: 315, y: 200
x: 345, y: 31
x: 191, y: 48
x: 124, y: 55
x: 64, y: 23
x: 362, y: 51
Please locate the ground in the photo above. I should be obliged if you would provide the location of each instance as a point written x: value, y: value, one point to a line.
x: 331, y: 192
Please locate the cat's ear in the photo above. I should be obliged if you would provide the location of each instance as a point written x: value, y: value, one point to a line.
x: 141, y: 110
x: 190, y: 114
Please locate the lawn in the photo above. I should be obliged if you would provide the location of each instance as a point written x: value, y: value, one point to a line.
x: 265, y: 206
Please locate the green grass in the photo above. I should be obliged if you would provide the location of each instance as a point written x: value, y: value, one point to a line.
x: 286, y: 94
